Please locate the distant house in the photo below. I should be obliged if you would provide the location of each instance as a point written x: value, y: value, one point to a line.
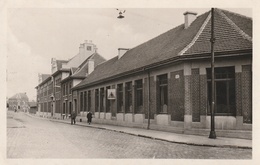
x: 168, y: 78
x: 19, y: 102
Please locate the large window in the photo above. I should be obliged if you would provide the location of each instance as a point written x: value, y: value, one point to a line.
x: 225, y: 99
x: 102, y: 99
x: 139, y: 95
x: 163, y: 93
x: 64, y: 89
x: 96, y: 100
x: 108, y: 102
x: 81, y: 101
x: 89, y: 100
x: 70, y: 86
x: 128, y: 97
x: 120, y: 98
x: 85, y: 101
x: 57, y: 85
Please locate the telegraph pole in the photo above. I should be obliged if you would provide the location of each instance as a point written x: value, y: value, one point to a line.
x: 212, y: 134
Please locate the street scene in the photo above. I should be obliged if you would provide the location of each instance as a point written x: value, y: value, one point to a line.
x: 33, y: 137
x: 129, y: 83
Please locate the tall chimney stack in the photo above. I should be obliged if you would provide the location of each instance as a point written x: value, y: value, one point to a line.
x: 189, y: 17
x: 121, y: 52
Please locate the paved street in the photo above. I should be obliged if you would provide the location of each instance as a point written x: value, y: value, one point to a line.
x: 30, y: 137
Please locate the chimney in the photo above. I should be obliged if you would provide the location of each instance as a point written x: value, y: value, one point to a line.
x: 81, y: 49
x: 90, y: 66
x: 189, y: 17
x: 95, y: 48
x: 121, y: 52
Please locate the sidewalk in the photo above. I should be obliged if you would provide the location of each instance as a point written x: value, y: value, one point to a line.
x: 168, y: 136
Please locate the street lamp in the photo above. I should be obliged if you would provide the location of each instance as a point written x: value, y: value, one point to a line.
x: 212, y: 134
x: 120, y: 14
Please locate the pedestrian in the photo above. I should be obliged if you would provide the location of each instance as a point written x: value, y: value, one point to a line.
x: 73, y: 117
x: 89, y: 116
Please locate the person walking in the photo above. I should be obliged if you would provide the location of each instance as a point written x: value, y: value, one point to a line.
x: 73, y: 117
x: 89, y: 116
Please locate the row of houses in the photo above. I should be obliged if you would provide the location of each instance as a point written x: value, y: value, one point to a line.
x: 164, y: 81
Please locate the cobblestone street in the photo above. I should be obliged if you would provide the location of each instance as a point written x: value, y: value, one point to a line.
x: 29, y: 137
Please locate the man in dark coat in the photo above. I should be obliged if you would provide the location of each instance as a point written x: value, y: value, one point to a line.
x: 73, y: 117
x: 89, y: 116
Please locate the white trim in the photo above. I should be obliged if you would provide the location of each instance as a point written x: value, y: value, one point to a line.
x: 197, y: 35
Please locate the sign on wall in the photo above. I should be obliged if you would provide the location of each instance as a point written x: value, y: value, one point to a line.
x: 111, y: 94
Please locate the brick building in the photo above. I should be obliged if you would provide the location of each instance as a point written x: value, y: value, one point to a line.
x: 54, y: 91
x: 168, y: 78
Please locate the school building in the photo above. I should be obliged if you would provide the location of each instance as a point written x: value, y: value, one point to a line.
x: 168, y: 78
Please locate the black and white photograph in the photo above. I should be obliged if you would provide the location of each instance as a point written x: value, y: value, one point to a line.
x: 128, y: 83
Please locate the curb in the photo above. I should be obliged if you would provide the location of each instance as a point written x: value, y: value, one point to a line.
x: 148, y: 137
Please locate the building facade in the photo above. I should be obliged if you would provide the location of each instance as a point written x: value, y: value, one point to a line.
x: 54, y: 96
x: 166, y: 81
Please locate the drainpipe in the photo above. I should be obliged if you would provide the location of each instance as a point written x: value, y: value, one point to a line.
x: 148, y: 76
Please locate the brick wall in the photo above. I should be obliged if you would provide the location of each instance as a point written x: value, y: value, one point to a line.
x: 203, y: 94
x: 176, y: 93
x: 246, y: 81
x: 195, y: 94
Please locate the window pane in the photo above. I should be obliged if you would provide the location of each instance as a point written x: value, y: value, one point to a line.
x: 225, y: 98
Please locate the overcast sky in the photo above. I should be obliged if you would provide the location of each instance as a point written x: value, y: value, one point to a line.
x: 35, y: 35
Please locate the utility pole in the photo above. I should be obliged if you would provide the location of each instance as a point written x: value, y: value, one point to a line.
x: 212, y: 134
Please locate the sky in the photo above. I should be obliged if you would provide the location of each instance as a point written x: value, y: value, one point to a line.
x: 36, y: 34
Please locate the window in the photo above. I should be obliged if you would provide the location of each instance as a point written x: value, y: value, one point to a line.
x: 85, y: 101
x: 139, y: 95
x: 120, y: 98
x: 128, y: 97
x: 64, y: 90
x: 89, y: 100
x: 108, y: 102
x: 70, y: 86
x: 96, y: 100
x: 163, y: 93
x: 225, y: 98
x: 67, y: 90
x: 57, y: 84
x: 102, y: 99
x: 81, y: 101
x: 89, y: 48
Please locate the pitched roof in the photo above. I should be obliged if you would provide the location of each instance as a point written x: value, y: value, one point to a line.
x: 229, y: 34
x: 45, y: 76
x: 82, y: 70
x: 20, y: 96
x: 230, y: 31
